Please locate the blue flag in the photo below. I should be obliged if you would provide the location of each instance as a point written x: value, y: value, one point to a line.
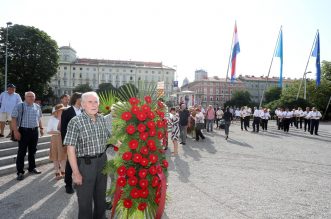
x: 279, y: 53
x: 316, y: 53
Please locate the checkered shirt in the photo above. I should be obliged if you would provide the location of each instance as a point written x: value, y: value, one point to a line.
x: 31, y: 115
x: 88, y: 137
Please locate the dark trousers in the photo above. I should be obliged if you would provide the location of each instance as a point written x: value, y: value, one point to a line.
x: 307, y: 123
x: 246, y: 122
x: 198, y: 134
x: 264, y: 124
x: 28, y: 142
x: 68, y: 175
x: 242, y: 120
x: 93, y: 189
x: 314, y: 123
x: 256, y: 123
x: 300, y: 119
x: 286, y: 123
x: 280, y: 124
x: 227, y: 127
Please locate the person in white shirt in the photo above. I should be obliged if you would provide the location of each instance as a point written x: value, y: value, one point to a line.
x: 287, y: 116
x: 8, y: 100
x: 265, y: 116
x: 300, y: 117
x: 314, y: 116
x: 219, y: 115
x: 237, y: 114
x: 256, y: 119
x: 280, y: 123
x: 57, y: 153
x: 306, y: 119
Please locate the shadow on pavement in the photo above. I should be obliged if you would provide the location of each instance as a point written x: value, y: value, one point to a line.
x: 41, y: 197
x: 183, y: 169
x: 243, y: 144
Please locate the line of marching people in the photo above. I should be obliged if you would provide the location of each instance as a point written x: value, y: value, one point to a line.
x: 309, y: 119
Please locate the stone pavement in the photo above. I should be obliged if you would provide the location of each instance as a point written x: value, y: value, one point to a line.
x: 265, y: 175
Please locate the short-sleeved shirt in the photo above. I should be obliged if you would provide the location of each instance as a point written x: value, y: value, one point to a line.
x: 8, y: 101
x: 88, y: 137
x: 31, y: 115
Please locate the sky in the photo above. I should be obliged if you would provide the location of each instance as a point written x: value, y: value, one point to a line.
x: 184, y: 34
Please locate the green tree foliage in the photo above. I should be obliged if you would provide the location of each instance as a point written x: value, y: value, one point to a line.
x: 273, y: 93
x: 82, y: 88
x: 239, y: 98
x: 32, y: 59
x: 326, y: 70
x: 105, y: 87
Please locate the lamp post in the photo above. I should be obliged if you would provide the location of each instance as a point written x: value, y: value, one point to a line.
x: 6, y: 62
x: 305, y: 90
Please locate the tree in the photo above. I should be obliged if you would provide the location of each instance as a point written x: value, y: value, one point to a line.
x: 32, y: 58
x: 326, y: 70
x: 105, y: 87
x: 239, y: 98
x: 82, y: 88
x: 273, y: 93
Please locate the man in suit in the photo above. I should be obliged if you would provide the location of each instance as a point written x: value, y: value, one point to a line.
x: 67, y: 115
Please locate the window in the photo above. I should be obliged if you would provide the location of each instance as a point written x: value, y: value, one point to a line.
x: 65, y: 83
x: 73, y: 68
x: 167, y: 73
x: 211, y: 98
x: 65, y: 67
x: 131, y: 78
x: 87, y: 69
x: 110, y: 70
x: 94, y: 69
x: 152, y: 72
x: 204, y: 98
x: 217, y: 99
x: 73, y: 75
x: 73, y: 84
x: 81, y: 69
x: 80, y: 75
x: 159, y: 72
x: 65, y: 74
x: 131, y: 70
x: 103, y: 69
x: 146, y: 72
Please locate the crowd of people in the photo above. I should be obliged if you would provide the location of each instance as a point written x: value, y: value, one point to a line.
x: 78, y: 148
x: 196, y: 120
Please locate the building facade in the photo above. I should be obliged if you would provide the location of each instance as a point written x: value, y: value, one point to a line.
x: 255, y: 85
x: 74, y: 71
x: 200, y: 74
x: 210, y: 91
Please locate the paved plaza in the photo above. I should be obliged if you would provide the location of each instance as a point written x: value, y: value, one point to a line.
x: 265, y: 175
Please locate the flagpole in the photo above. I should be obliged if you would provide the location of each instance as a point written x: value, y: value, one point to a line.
x: 304, y: 73
x: 327, y: 107
x: 272, y: 59
x: 227, y: 71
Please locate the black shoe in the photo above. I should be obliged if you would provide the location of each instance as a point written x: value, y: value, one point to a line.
x: 183, y: 143
x: 69, y: 190
x: 35, y: 171
x: 203, y: 137
x: 226, y: 138
x: 109, y: 205
x: 316, y: 134
x: 20, y: 176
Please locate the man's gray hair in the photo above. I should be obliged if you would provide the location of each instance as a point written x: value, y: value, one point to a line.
x: 88, y: 94
x: 29, y: 92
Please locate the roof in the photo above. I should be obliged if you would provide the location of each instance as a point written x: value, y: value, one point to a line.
x: 124, y: 63
x: 67, y: 47
x: 263, y: 78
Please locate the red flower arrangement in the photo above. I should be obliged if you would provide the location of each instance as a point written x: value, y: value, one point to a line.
x: 141, y: 170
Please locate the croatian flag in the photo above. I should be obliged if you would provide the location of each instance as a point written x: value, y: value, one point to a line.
x: 279, y: 53
x: 316, y: 53
x: 235, y: 51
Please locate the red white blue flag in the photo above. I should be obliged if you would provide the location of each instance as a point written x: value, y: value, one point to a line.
x: 235, y: 51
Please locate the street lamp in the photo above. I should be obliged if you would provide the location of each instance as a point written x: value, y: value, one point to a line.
x: 6, y: 62
x: 305, y: 91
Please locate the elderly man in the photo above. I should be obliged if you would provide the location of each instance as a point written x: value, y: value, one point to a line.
x: 86, y: 140
x: 184, y: 115
x: 26, y: 119
x: 8, y: 100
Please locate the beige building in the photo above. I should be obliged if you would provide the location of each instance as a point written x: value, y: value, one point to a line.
x: 74, y: 71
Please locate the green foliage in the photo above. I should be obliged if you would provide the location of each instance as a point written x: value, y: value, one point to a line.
x: 82, y: 88
x: 106, y: 87
x: 239, y: 98
x: 32, y: 59
x: 273, y: 93
x: 126, y: 91
x: 287, y: 102
x: 326, y: 70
